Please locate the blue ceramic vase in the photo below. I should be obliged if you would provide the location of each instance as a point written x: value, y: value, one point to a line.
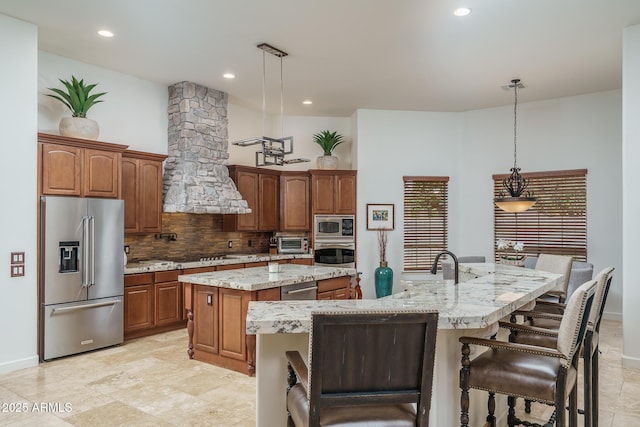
x: 384, y: 280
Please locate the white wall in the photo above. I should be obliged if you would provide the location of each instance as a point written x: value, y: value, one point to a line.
x: 18, y: 110
x: 631, y: 205
x: 134, y: 111
x: 246, y: 123
x: 392, y: 144
x: 567, y: 133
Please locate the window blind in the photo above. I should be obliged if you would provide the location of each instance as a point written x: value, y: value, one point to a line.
x: 557, y: 223
x: 425, y: 220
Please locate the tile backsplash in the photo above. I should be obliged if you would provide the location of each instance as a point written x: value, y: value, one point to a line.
x: 197, y: 235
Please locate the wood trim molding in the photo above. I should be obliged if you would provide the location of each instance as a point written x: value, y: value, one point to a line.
x: 81, y: 143
x: 133, y: 154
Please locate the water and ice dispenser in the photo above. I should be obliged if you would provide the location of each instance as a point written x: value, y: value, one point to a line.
x: 68, y: 256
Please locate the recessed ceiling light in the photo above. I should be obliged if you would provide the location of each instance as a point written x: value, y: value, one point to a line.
x: 307, y: 102
x: 462, y: 11
x: 105, y: 33
x: 229, y: 76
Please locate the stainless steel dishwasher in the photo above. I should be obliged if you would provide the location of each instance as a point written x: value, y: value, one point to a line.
x: 299, y: 291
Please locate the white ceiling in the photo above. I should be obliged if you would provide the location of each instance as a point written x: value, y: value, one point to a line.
x: 348, y: 54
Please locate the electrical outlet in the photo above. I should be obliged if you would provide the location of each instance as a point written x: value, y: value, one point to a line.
x: 249, y: 243
x: 127, y: 249
x: 230, y: 244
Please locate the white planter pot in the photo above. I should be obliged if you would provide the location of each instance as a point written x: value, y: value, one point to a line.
x: 78, y: 127
x: 327, y: 162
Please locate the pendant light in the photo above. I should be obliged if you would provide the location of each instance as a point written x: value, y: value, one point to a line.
x: 515, y: 184
x: 273, y: 149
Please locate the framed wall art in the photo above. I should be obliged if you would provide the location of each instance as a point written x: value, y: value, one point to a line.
x: 380, y: 216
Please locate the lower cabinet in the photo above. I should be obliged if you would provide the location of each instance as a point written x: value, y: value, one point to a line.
x: 152, y: 303
x: 205, y: 318
x: 218, y: 332
x: 336, y: 288
x: 138, y: 302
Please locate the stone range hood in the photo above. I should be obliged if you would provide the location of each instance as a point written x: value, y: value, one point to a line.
x: 196, y: 179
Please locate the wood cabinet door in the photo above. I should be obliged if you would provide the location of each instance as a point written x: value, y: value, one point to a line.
x: 61, y: 166
x: 149, y: 196
x: 168, y: 303
x: 247, y: 183
x: 138, y: 307
x: 205, y: 318
x: 101, y: 172
x: 269, y: 207
x: 233, y: 312
x: 322, y: 194
x: 345, y: 195
x: 295, y: 203
x: 130, y: 194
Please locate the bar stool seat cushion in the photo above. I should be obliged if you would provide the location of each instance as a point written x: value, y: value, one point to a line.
x: 517, y: 374
x: 400, y: 415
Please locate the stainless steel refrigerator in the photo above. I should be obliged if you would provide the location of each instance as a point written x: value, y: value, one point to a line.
x: 81, y: 274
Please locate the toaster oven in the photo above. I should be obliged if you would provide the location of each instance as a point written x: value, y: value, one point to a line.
x: 293, y: 245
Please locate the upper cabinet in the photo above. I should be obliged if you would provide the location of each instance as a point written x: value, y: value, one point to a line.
x: 261, y: 189
x: 78, y: 167
x: 294, y: 201
x: 142, y: 191
x: 333, y: 191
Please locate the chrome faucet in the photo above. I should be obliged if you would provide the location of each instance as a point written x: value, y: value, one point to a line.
x: 434, y: 267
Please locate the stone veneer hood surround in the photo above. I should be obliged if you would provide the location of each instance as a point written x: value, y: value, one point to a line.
x: 196, y: 179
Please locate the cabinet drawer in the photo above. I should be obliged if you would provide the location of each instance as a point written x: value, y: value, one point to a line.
x: 196, y: 270
x: 256, y: 264
x: 272, y: 294
x: 167, y: 276
x: 333, y: 284
x: 138, y: 279
x: 229, y: 267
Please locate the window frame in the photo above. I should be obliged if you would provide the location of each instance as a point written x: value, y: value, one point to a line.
x: 418, y: 254
x: 562, y: 231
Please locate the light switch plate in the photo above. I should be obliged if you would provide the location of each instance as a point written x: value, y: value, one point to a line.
x: 17, y: 270
x: 17, y: 258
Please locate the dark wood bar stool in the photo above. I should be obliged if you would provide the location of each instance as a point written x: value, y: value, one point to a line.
x: 543, y: 329
x: 547, y: 375
x: 365, y: 369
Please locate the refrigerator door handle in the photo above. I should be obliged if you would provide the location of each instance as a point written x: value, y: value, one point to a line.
x: 85, y: 306
x: 92, y: 259
x: 85, y: 252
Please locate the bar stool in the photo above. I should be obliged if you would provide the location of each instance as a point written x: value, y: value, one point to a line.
x: 547, y: 375
x: 543, y: 331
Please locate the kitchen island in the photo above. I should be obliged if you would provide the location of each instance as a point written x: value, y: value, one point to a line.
x: 488, y: 293
x: 216, y: 304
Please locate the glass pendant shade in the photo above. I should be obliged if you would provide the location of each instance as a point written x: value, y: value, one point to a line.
x: 515, y: 204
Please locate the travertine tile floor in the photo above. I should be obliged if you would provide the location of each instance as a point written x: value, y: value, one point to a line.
x: 150, y: 382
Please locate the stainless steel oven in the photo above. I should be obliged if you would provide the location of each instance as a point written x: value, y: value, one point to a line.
x: 334, y: 254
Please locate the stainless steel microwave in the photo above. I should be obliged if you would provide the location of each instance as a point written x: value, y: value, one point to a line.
x: 333, y: 226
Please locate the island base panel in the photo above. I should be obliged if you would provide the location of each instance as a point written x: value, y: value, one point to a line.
x: 271, y: 375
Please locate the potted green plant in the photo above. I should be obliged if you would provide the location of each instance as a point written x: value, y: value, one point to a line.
x: 78, y: 99
x: 328, y: 141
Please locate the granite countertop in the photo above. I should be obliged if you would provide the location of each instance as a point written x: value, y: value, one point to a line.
x: 160, y: 265
x: 491, y: 292
x: 258, y: 278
